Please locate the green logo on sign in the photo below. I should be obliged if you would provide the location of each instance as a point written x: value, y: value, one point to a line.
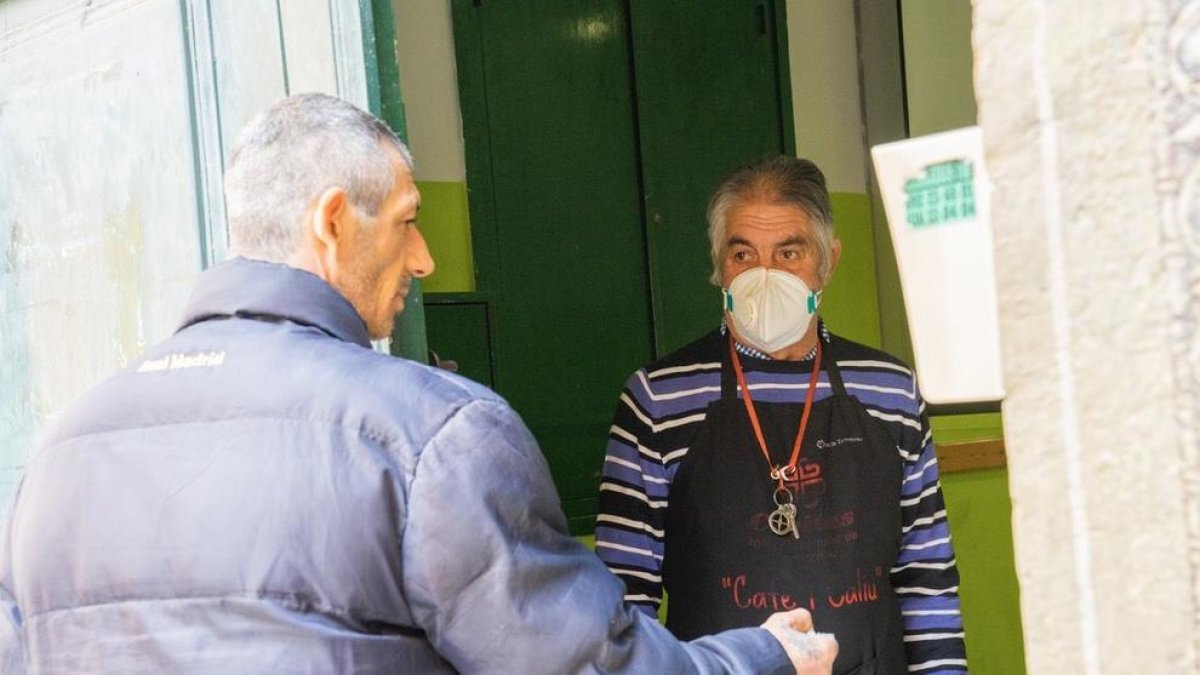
x: 944, y: 193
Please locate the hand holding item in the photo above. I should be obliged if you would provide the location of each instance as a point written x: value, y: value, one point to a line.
x: 811, y: 653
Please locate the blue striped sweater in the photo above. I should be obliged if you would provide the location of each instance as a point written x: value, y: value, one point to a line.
x: 663, y: 406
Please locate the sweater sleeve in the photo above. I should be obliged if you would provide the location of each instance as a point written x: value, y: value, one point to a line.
x: 925, y: 576
x: 632, y: 505
x: 499, y: 586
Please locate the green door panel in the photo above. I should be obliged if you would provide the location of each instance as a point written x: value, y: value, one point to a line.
x: 569, y: 288
x: 708, y: 100
x: 458, y: 331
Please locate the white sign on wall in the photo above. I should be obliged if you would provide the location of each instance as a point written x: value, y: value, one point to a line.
x: 936, y: 196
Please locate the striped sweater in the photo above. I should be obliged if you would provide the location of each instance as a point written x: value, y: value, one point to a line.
x: 663, y: 406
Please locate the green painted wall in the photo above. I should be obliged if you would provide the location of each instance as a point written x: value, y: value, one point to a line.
x: 962, y: 428
x: 980, y: 523
x: 446, y: 225
x: 941, y: 96
x: 938, y: 64
x: 980, y: 513
x: 850, y: 305
x: 937, y: 74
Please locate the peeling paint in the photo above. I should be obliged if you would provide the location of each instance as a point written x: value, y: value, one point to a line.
x: 123, y: 248
x: 17, y: 413
x: 100, y: 231
x: 17, y: 241
x: 87, y: 9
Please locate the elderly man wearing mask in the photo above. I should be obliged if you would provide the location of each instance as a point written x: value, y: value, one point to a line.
x: 772, y: 464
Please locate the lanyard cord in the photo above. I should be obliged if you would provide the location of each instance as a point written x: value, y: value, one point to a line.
x: 779, y: 473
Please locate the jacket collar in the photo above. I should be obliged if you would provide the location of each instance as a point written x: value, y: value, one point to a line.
x: 273, y: 291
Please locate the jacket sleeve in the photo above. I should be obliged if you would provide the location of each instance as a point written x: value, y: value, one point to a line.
x: 12, y: 650
x: 632, y: 505
x: 499, y: 586
x: 925, y: 576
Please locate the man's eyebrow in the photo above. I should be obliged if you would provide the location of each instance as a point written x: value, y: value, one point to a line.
x: 737, y: 241
x: 793, y: 241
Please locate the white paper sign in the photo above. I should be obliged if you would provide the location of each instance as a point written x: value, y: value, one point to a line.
x: 936, y: 196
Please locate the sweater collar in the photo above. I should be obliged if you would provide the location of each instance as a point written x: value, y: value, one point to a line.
x: 747, y: 350
x: 273, y: 291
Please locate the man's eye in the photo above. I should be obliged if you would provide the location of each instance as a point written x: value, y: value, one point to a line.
x: 790, y: 254
x: 741, y: 256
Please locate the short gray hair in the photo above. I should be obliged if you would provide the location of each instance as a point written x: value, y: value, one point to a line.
x: 292, y: 152
x: 776, y: 180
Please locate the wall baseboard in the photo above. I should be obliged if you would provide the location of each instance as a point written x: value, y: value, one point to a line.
x: 971, y: 455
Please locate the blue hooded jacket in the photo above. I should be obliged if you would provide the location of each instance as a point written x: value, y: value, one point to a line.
x: 263, y: 493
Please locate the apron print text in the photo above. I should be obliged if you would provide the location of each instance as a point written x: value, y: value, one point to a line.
x: 864, y: 588
x: 823, y: 444
x: 822, y: 537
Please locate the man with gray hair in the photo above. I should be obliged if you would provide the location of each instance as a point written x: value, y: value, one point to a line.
x: 263, y: 493
x: 771, y: 464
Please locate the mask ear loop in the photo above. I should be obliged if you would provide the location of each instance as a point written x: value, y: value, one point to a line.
x: 814, y: 301
x: 728, y: 299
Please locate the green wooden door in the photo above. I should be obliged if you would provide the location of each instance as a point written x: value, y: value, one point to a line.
x: 709, y: 100
x: 567, y: 116
x: 568, y: 279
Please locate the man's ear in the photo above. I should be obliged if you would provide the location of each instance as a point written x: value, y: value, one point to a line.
x: 835, y: 254
x: 329, y: 222
x: 325, y: 235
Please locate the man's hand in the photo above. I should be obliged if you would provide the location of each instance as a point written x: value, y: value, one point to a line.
x: 811, y: 653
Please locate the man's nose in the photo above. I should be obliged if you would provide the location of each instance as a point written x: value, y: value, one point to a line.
x: 420, y: 263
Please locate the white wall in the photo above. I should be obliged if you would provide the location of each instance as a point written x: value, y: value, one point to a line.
x: 115, y: 118
x: 98, y: 223
x: 429, y: 80
x: 1087, y: 107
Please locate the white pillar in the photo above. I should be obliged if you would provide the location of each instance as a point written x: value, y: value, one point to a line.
x: 1089, y: 110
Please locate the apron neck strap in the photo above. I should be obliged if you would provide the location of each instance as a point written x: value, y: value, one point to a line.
x: 831, y: 368
x: 728, y: 376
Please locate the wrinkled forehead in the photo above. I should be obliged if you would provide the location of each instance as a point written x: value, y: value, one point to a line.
x: 767, y: 215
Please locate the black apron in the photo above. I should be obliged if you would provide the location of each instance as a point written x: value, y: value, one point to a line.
x: 724, y: 568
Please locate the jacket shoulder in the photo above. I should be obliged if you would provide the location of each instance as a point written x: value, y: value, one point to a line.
x: 412, y: 399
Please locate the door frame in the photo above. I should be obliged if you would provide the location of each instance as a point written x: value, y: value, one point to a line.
x: 384, y: 100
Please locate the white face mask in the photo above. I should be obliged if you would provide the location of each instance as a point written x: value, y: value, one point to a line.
x: 770, y: 309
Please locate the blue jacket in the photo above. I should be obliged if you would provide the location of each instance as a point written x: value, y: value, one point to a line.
x: 263, y: 493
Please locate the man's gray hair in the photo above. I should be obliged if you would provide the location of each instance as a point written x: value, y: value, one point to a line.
x: 774, y: 180
x: 290, y: 154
